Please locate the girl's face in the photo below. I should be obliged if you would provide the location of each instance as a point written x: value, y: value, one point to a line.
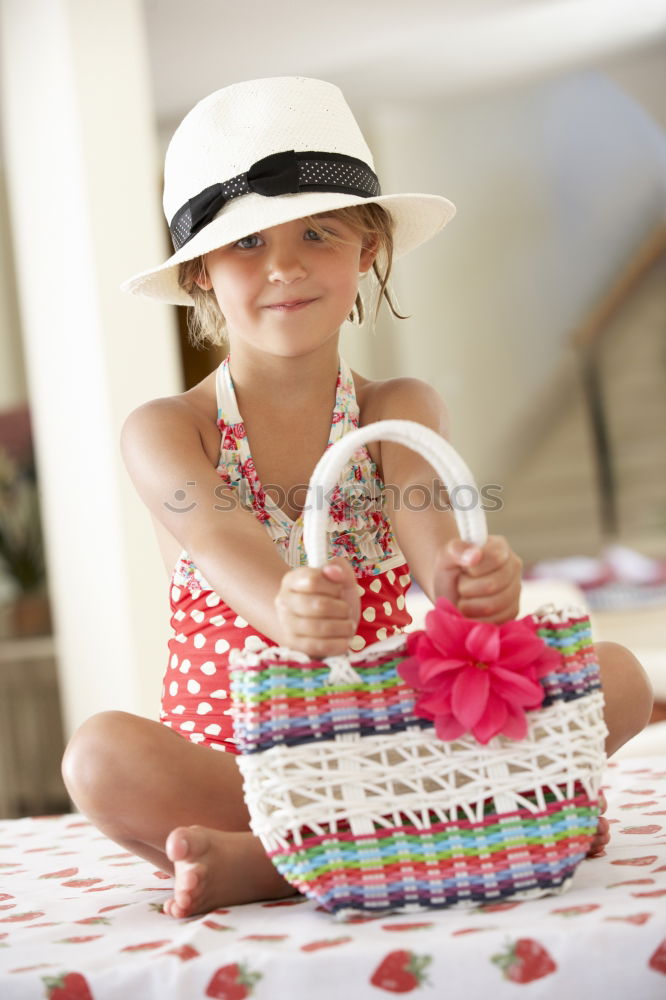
x: 286, y: 290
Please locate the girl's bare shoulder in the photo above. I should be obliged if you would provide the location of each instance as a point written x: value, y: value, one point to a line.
x: 401, y: 398
x: 173, y: 418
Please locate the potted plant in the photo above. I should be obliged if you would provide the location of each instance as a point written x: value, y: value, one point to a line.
x: 26, y: 608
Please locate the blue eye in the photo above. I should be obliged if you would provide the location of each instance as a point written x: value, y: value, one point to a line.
x: 249, y: 242
x: 312, y: 234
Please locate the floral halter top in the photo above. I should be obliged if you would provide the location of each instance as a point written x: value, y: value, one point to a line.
x: 195, y: 698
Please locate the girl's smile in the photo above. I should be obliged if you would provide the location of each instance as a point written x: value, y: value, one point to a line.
x: 290, y: 305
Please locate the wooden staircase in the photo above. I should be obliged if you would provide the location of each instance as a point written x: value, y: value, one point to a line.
x: 598, y: 470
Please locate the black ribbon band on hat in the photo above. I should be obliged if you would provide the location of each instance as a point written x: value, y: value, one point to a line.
x: 280, y: 173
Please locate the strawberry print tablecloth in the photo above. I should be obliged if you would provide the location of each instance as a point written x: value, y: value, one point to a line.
x: 82, y: 920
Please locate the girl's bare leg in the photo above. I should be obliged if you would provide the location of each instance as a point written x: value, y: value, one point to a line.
x: 628, y: 705
x: 139, y: 782
x: 627, y: 691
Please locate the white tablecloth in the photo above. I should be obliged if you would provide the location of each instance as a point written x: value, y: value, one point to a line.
x: 80, y: 919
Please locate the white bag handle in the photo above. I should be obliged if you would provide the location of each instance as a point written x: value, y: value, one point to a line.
x: 445, y: 460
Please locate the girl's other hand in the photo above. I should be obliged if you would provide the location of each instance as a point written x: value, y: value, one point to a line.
x: 319, y: 609
x: 484, y: 583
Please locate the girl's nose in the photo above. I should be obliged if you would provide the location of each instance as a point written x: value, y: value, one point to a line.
x: 285, y: 265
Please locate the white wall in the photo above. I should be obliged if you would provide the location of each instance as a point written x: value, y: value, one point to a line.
x: 80, y: 157
x: 13, y: 389
x: 556, y: 186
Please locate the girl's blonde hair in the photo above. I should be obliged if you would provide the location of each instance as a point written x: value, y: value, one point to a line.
x: 373, y: 223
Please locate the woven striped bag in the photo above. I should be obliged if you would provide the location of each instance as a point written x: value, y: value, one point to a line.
x: 368, y: 801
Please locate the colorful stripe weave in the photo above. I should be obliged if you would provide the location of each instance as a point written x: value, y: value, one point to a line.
x: 456, y: 863
x: 282, y: 702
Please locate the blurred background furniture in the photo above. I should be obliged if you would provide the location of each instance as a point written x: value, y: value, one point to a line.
x: 31, y: 735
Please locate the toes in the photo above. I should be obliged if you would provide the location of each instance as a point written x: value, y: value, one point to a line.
x: 186, y: 847
x: 187, y: 843
x: 187, y: 880
x: 178, y: 912
x: 177, y: 846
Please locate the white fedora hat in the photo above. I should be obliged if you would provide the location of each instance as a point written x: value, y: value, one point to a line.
x: 264, y: 152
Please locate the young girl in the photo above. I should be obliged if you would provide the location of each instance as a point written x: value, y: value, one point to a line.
x: 276, y: 214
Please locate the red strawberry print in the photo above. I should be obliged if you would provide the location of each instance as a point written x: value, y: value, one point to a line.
x: 15, y: 917
x: 67, y: 986
x: 278, y: 902
x: 400, y: 971
x: 414, y: 926
x: 265, y: 937
x: 6, y: 895
x: 471, y: 930
x: 81, y: 883
x: 324, y: 943
x: 64, y: 873
x: 576, y: 911
x: 648, y: 828
x: 94, y: 920
x: 650, y: 894
x: 214, y: 926
x: 647, y: 859
x: 632, y: 881
x: 658, y: 959
x: 105, y: 888
x: 7, y: 906
x: 159, y: 874
x: 232, y: 982
x: 79, y: 940
x: 499, y: 907
x: 524, y: 961
x: 145, y: 946
x: 184, y: 952
x: 634, y: 918
x: 357, y: 918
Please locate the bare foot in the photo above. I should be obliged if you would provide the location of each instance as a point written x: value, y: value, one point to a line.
x: 215, y: 868
x: 602, y: 836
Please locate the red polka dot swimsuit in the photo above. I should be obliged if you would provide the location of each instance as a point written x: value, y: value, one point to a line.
x: 195, y: 694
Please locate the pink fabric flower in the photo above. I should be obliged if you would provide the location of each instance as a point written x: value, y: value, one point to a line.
x: 476, y: 676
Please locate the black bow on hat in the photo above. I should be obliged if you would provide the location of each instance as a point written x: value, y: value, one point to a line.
x: 280, y: 173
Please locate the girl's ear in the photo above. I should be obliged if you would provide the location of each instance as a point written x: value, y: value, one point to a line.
x: 368, y: 253
x: 202, y: 280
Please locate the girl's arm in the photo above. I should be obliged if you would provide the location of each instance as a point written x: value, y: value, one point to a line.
x: 484, y: 583
x: 163, y: 449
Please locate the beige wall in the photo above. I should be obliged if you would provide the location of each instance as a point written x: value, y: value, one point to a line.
x: 92, y: 353
x: 13, y: 389
x: 556, y: 185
